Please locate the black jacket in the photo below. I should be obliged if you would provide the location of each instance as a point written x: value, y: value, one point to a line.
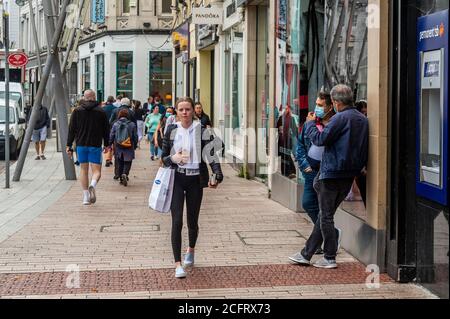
x: 43, y: 119
x: 204, y: 119
x: 139, y: 114
x: 209, y: 144
x: 88, y: 126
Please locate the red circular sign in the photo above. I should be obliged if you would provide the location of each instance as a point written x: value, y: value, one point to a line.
x: 18, y: 59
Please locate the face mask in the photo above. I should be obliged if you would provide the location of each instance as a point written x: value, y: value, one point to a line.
x: 320, y: 111
x: 168, y: 114
x: 335, y: 109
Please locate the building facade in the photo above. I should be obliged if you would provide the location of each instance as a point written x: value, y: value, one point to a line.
x: 258, y: 73
x: 37, y: 52
x: 15, y: 74
x: 130, y: 54
x: 13, y: 10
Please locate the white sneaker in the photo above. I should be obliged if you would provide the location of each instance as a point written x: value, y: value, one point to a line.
x: 180, y: 273
x: 86, y: 200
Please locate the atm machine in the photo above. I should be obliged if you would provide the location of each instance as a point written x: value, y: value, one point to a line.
x: 432, y: 108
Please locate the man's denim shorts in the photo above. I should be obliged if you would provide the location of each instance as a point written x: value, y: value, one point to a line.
x: 87, y: 154
x: 39, y: 135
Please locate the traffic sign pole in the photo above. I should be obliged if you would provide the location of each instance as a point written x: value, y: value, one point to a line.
x: 6, y: 133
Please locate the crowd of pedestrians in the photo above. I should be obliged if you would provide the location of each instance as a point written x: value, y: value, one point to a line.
x: 331, y: 152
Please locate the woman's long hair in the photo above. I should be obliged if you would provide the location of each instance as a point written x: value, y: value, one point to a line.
x: 137, y: 105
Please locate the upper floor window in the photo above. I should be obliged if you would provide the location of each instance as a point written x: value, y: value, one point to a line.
x: 165, y: 6
x: 126, y: 6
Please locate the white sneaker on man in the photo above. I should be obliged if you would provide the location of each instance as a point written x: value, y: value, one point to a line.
x: 86, y: 200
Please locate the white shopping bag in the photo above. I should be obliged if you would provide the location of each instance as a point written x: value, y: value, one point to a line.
x: 161, y: 195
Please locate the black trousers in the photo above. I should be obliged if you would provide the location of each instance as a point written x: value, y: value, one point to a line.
x: 331, y: 193
x: 185, y: 187
x: 122, y: 167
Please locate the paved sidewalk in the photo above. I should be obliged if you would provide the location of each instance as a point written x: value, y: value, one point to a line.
x: 122, y: 248
x: 42, y: 184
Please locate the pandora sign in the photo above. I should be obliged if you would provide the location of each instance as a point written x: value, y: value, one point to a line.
x: 207, y: 15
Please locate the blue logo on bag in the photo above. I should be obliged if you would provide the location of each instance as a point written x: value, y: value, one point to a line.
x: 157, y: 182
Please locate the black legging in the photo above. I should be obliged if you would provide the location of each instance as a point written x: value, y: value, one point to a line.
x: 185, y: 187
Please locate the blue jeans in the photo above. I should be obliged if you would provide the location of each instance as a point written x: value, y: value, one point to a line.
x: 154, y: 151
x: 310, y: 201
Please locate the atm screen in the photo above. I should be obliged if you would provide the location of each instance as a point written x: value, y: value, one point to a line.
x: 432, y: 69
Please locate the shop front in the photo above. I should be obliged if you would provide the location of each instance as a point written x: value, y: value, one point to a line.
x: 130, y: 65
x: 319, y: 44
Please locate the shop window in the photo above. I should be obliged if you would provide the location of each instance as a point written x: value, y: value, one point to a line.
x: 236, y: 111
x: 161, y: 74
x: 125, y: 74
x: 227, y: 95
x: 319, y: 44
x: 237, y: 91
x: 86, y: 74
x: 291, y: 109
x: 263, y: 84
x: 351, y: 68
x: 100, y: 64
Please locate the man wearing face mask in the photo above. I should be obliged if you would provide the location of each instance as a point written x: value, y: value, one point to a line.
x: 309, y: 156
x: 346, y: 139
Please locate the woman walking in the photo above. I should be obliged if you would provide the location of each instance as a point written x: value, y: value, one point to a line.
x: 183, y: 146
x: 124, y: 137
x: 161, y: 128
x: 139, y: 114
x: 151, y: 122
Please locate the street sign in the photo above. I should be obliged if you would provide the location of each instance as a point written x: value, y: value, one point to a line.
x: 18, y: 59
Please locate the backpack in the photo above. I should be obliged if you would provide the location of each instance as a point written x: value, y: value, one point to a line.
x: 123, y: 138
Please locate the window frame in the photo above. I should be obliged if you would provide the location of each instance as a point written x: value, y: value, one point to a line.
x: 132, y: 74
x: 85, y: 76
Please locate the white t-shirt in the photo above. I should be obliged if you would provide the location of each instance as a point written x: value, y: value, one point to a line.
x: 185, y: 141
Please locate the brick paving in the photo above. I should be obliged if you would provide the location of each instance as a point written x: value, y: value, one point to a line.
x: 122, y: 248
x: 199, y: 278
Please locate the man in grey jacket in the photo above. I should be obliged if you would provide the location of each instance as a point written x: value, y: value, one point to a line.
x: 39, y: 136
x: 346, y: 150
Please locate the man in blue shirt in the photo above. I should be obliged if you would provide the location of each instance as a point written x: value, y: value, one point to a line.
x: 345, y: 139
